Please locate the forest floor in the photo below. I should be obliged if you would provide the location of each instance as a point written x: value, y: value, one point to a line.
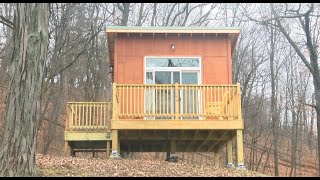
x: 77, y: 166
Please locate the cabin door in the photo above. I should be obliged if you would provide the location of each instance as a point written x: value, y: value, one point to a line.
x: 160, y: 101
x: 190, y: 96
x: 164, y: 98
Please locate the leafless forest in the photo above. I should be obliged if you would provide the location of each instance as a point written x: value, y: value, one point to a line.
x: 275, y: 61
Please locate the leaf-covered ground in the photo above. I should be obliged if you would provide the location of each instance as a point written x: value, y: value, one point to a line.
x: 69, y: 166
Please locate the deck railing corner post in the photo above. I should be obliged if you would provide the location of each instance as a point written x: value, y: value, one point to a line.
x: 114, y: 101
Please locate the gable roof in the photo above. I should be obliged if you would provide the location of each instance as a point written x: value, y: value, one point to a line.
x: 111, y: 31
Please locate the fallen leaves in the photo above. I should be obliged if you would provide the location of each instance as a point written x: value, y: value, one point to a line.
x: 76, y: 166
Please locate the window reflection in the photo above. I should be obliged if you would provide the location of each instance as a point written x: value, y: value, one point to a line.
x: 172, y: 62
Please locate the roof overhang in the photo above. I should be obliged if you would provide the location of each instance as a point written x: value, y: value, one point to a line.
x: 111, y: 32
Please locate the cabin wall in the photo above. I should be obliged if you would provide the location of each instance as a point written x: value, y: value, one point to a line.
x: 130, y: 49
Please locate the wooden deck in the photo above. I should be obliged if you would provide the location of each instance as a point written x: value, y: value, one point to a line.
x: 158, y: 118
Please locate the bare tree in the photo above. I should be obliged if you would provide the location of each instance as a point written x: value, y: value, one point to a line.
x: 311, y: 59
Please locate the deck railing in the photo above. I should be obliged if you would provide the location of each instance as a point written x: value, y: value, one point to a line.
x: 88, y: 115
x: 176, y: 101
x: 160, y: 101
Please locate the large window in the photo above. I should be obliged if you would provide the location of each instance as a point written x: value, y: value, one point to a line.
x: 170, y: 70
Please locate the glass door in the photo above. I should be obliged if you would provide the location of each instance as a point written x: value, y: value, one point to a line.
x: 190, y: 97
x: 164, y: 97
x: 171, y: 70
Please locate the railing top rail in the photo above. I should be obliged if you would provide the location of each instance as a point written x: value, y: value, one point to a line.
x: 198, y: 85
x: 88, y: 102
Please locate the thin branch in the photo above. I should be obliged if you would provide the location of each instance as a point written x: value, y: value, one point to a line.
x: 77, y: 57
x: 307, y: 104
x: 6, y: 22
x: 293, y: 44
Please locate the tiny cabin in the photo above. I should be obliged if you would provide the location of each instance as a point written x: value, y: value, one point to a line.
x: 172, y: 91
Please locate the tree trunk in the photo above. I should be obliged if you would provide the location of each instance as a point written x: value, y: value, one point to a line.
x: 153, y: 19
x: 274, y: 106
x: 17, y: 155
x: 125, y: 14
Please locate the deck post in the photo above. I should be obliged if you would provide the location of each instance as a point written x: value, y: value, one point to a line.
x: 229, y: 154
x: 239, y: 102
x: 66, y: 148
x: 114, y: 102
x: 239, y: 151
x: 173, y: 157
x: 217, y: 158
x: 108, y: 150
x: 115, y: 154
x: 69, y: 118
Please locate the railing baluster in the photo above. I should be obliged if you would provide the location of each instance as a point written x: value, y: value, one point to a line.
x: 108, y: 116
x: 203, y: 102
x: 87, y: 114
x: 163, y: 101
x: 127, y: 112
x: 207, y: 101
x: 123, y: 103
x: 232, y: 105
x: 184, y: 100
x: 229, y: 99
x: 157, y: 101
x: 153, y: 101
x: 99, y: 124
x: 139, y: 100
x: 226, y: 101
x: 92, y: 116
x: 95, y: 121
x: 197, y: 103
x: 192, y: 107
x: 220, y: 99
x: 134, y: 101
x: 160, y: 100
x: 103, y: 107
x: 146, y: 99
x: 77, y: 115
x: 167, y: 102
x: 82, y: 115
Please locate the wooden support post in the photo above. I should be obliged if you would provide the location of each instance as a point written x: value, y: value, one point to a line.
x: 229, y: 154
x: 173, y: 146
x: 115, y: 145
x: 66, y: 148
x: 72, y: 152
x: 216, y: 158
x: 239, y: 151
x: 129, y: 149
x: 108, y: 150
x: 173, y: 157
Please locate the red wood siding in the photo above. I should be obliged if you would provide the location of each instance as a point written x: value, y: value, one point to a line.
x: 215, y: 53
